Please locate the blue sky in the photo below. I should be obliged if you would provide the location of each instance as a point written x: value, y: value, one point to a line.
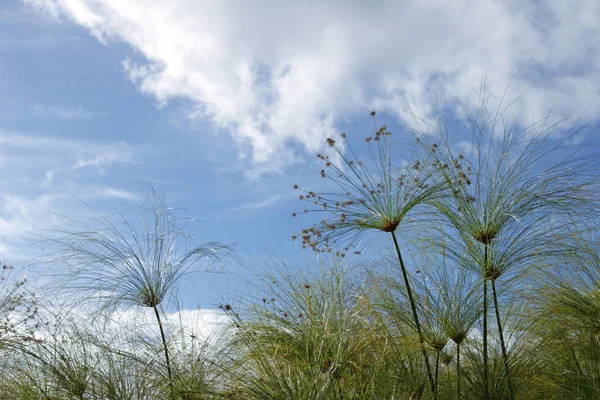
x: 224, y: 104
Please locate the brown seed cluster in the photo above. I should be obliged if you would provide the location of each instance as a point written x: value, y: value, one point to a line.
x: 379, y: 134
x: 492, y: 273
x: 390, y: 226
x: 485, y: 236
x: 150, y: 299
x: 360, y: 208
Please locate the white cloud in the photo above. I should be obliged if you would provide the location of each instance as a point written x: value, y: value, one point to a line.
x: 118, y: 193
x: 65, y: 155
x: 184, y: 325
x: 24, y: 217
x: 20, y: 216
x: 64, y: 112
x: 184, y: 328
x: 256, y: 205
x: 37, y: 143
x: 284, y: 74
x: 102, y: 157
x: 48, y: 178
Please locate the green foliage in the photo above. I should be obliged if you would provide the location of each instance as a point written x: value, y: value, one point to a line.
x: 310, y: 338
x: 489, y: 288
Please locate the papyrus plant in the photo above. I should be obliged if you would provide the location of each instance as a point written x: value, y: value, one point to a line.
x: 133, y: 256
x: 381, y: 193
x: 512, y: 188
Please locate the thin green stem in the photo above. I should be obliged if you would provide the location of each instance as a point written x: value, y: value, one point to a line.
x: 437, y: 368
x: 164, y: 341
x: 576, y: 361
x: 458, y: 371
x: 415, y: 315
x: 485, y: 329
x: 504, y: 353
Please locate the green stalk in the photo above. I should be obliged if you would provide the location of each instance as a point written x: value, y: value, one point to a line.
x: 504, y: 354
x: 415, y: 316
x: 458, y: 371
x: 437, y: 368
x: 485, y: 339
x: 577, y: 365
x: 164, y: 341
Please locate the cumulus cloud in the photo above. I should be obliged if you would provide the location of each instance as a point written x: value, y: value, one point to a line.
x: 124, y: 327
x: 202, y: 324
x: 281, y: 76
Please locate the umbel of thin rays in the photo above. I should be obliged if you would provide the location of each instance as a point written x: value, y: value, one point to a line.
x: 373, y: 195
x: 134, y: 257
x: 396, y: 305
x: 509, y: 198
x: 451, y: 299
x: 449, y: 303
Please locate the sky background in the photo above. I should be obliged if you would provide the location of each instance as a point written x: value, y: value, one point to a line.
x: 224, y: 104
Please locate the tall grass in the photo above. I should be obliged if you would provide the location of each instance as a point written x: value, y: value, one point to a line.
x: 308, y: 337
x: 479, y: 218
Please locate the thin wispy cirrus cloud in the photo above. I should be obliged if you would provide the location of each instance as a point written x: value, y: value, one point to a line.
x: 281, y: 77
x: 50, y: 178
x: 65, y: 112
x: 255, y: 205
x: 104, y: 156
x: 64, y: 155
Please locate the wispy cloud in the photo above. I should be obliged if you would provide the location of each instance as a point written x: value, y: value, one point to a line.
x: 24, y: 216
x: 249, y: 208
x: 104, y: 156
x: 64, y: 155
x: 116, y: 193
x: 47, y: 177
x: 37, y: 142
x: 255, y: 205
x: 21, y: 216
x: 65, y: 112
